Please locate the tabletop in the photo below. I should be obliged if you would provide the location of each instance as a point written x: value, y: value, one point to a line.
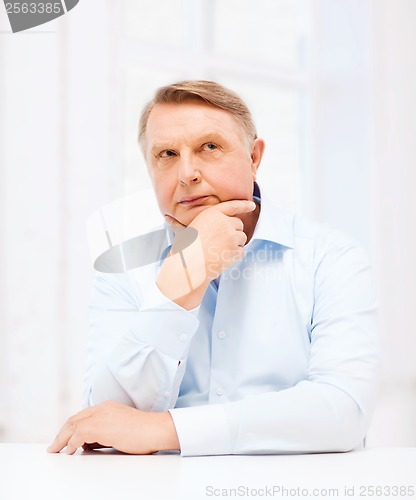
x: 27, y: 471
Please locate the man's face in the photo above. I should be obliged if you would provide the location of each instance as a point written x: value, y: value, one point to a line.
x: 197, y: 157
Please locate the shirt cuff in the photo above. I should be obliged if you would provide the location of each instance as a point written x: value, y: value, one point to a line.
x: 202, y: 430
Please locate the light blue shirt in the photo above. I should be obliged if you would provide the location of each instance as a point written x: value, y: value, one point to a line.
x: 282, y: 355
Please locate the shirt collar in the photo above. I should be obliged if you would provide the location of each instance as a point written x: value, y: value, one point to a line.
x: 275, y: 223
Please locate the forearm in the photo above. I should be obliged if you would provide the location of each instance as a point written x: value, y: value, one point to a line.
x: 165, y: 436
x: 183, y: 282
x: 308, y: 418
x: 137, y: 357
x: 145, y: 379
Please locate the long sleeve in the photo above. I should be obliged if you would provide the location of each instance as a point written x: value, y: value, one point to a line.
x: 282, y: 356
x: 331, y: 408
x: 137, y: 345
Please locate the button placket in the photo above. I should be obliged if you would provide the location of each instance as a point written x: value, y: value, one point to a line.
x: 218, y: 354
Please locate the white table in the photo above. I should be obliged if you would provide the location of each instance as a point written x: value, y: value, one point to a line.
x: 27, y: 472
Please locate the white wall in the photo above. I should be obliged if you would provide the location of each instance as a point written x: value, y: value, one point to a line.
x: 394, y: 214
x: 58, y: 163
x: 340, y: 116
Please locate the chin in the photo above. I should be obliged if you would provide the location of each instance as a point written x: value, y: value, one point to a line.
x: 189, y: 215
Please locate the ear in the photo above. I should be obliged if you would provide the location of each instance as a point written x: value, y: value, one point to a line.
x: 256, y: 155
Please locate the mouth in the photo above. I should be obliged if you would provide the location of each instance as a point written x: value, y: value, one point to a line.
x: 192, y: 201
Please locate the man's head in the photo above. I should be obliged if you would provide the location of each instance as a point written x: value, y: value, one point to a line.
x: 201, y: 147
x: 205, y: 91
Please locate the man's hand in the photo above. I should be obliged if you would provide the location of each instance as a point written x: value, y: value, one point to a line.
x: 219, y: 244
x: 113, y: 425
x: 222, y: 235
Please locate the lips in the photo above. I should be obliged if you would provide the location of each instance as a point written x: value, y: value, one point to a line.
x: 190, y: 201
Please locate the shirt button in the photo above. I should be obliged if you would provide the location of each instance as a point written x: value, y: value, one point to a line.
x: 167, y: 394
x: 183, y: 337
x: 221, y: 334
x: 219, y: 391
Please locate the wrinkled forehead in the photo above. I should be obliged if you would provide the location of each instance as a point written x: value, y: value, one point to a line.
x: 168, y: 121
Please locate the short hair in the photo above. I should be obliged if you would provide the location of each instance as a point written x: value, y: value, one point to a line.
x: 206, y: 91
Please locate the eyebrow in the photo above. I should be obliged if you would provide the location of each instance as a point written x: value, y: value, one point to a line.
x: 207, y: 137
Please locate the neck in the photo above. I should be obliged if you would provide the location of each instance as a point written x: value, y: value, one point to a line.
x: 250, y: 221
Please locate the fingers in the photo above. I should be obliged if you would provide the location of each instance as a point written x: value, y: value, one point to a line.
x: 234, y: 207
x: 75, y: 442
x: 61, y: 439
x: 238, y: 224
x: 67, y: 431
x: 92, y: 427
x: 241, y: 238
x: 72, y: 437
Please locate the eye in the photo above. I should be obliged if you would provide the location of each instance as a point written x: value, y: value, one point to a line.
x: 167, y: 153
x: 209, y: 146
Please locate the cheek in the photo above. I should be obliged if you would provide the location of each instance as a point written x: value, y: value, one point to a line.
x: 217, y: 155
x: 164, y: 193
x: 236, y: 183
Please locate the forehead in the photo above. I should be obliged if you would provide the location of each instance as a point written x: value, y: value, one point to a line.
x: 189, y: 119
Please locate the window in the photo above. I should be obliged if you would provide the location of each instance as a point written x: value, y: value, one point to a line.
x: 257, y: 49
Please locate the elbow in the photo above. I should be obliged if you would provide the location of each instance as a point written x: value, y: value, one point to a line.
x: 349, y: 429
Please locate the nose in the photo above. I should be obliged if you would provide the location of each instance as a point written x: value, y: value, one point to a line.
x: 188, y: 172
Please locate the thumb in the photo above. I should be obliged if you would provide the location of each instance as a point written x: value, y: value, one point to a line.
x: 234, y: 207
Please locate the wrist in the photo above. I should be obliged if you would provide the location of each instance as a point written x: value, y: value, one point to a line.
x: 181, y: 284
x: 166, y: 437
